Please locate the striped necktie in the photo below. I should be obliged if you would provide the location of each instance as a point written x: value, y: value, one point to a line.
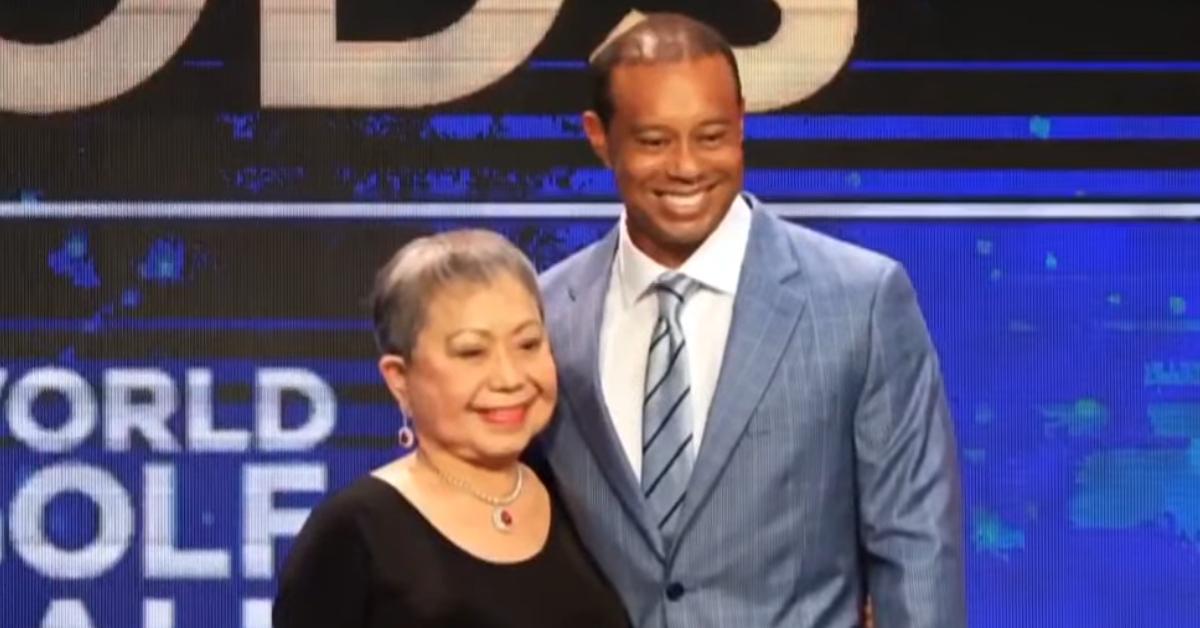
x: 666, y: 409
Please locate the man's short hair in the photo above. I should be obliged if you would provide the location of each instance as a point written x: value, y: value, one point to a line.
x: 660, y: 38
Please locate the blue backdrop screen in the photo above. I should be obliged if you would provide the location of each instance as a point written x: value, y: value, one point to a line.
x: 1071, y: 352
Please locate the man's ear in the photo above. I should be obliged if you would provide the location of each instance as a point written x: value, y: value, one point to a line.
x: 742, y: 119
x: 597, y: 136
x: 395, y: 374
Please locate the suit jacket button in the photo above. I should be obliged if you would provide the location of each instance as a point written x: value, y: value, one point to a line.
x: 675, y: 591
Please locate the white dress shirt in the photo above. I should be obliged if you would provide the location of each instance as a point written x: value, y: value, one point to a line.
x: 631, y: 311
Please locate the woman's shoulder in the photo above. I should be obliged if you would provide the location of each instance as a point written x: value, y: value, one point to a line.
x: 343, y: 510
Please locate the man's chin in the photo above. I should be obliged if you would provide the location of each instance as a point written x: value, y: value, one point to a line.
x: 688, y: 231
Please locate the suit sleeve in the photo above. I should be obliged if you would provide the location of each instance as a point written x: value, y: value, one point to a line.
x: 909, y: 495
x: 325, y: 579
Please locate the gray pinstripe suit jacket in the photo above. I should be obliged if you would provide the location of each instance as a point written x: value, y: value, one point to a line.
x: 827, y: 468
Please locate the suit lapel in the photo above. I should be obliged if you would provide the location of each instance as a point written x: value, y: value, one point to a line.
x: 766, y: 310
x: 579, y: 367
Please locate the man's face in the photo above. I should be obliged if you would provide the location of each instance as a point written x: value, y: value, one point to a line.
x: 675, y: 146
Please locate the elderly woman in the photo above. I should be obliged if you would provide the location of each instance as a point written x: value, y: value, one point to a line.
x: 460, y: 533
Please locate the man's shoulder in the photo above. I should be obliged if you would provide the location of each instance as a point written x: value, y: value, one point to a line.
x: 826, y: 255
x: 554, y: 280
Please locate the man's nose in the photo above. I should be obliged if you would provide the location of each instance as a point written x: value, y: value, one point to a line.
x: 684, y: 163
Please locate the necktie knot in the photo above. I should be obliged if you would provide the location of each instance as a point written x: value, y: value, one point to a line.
x: 673, y: 291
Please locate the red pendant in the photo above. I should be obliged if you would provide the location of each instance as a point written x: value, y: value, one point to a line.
x: 502, y: 520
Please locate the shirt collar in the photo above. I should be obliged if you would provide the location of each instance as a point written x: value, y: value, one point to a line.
x: 716, y: 264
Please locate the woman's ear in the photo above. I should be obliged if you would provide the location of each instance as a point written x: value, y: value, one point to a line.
x: 394, y: 370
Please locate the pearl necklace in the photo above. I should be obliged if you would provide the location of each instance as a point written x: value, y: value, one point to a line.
x: 502, y: 518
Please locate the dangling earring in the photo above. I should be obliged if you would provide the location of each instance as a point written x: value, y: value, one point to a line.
x: 406, y: 435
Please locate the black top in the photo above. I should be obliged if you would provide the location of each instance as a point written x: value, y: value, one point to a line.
x: 366, y: 558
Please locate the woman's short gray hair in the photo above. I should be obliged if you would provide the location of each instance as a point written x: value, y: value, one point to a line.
x: 406, y: 285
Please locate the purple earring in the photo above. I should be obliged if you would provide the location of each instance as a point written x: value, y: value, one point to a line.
x: 406, y: 435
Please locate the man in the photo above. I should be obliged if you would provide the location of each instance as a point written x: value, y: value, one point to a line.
x: 753, y: 430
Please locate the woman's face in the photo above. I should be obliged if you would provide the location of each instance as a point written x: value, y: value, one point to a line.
x: 481, y: 380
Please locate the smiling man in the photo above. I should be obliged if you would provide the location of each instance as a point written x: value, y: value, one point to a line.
x: 753, y: 430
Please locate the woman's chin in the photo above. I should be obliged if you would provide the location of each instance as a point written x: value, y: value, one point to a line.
x: 502, y: 450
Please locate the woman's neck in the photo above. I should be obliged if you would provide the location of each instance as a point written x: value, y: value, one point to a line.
x: 495, y: 478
